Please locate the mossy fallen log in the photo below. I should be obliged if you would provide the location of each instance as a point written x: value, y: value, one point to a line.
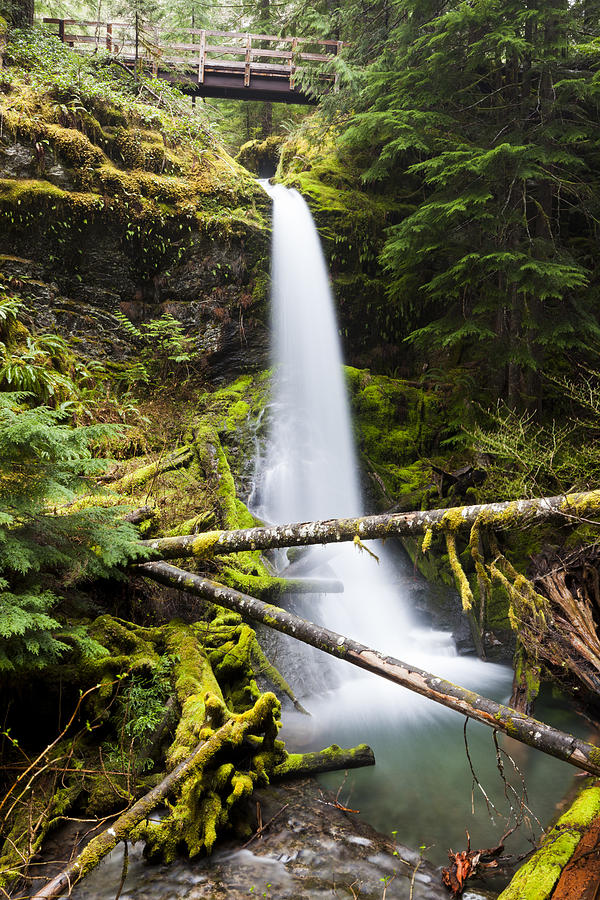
x: 517, y: 725
x: 536, y: 879
x: 331, y: 759
x: 494, y: 515
x: 231, y: 734
x: 143, y: 474
x: 270, y: 588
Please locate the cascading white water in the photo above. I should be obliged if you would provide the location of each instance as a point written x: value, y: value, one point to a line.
x: 310, y: 469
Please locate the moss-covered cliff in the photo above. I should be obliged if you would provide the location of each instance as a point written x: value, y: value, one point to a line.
x: 114, y: 202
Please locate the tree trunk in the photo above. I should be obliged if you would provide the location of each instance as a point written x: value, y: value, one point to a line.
x: 21, y: 13
x: 266, y: 119
x: 563, y: 509
x: 501, y: 718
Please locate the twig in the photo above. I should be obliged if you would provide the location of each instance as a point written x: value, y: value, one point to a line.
x: 488, y: 802
x: 262, y: 828
x: 50, y: 746
x: 124, y: 870
x: 523, y: 799
x: 387, y: 884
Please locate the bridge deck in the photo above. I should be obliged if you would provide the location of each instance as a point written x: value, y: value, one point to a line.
x: 227, y: 64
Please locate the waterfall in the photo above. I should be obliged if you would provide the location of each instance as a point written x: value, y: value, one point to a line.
x: 310, y: 471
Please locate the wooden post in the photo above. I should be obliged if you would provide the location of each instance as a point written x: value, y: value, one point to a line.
x: 61, y: 29
x: 109, y: 43
x: 292, y: 64
x: 201, y: 56
x: 248, y: 59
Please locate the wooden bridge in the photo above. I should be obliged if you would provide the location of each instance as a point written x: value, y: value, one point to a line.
x: 232, y: 65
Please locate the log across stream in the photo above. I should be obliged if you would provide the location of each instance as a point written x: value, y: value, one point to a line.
x: 420, y: 788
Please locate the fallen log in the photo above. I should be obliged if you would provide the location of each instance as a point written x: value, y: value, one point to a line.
x: 141, y: 475
x: 497, y: 515
x: 141, y: 514
x: 273, y: 587
x: 331, y: 759
x: 517, y: 725
x: 107, y: 840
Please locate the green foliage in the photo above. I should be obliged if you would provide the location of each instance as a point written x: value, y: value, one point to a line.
x: 529, y: 458
x: 165, y: 350
x: 10, y: 307
x: 490, y: 111
x: 43, y: 546
x: 140, y: 709
x: 29, y: 369
x: 81, y: 84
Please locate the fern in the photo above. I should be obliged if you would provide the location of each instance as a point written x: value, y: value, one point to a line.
x: 43, y: 550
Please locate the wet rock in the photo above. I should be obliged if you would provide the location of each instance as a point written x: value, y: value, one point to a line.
x: 58, y: 175
x: 17, y: 161
x: 311, y: 849
x: 230, y: 337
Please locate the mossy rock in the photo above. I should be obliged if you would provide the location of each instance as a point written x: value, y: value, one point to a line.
x: 536, y: 879
x: 398, y: 428
x: 261, y: 157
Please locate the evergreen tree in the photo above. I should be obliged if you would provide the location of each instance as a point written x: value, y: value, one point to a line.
x: 492, y: 109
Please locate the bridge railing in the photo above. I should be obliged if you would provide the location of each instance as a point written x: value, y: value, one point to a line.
x: 200, y: 51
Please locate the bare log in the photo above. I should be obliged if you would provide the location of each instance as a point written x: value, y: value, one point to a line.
x: 517, y: 725
x: 497, y: 515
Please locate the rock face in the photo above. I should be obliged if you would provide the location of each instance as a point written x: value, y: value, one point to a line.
x: 311, y: 849
x: 99, y: 215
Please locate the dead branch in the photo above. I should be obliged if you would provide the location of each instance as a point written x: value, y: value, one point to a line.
x: 514, y: 513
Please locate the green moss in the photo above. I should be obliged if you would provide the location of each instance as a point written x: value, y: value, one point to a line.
x: 595, y: 757
x: 142, y: 474
x: 397, y: 426
x: 209, y: 800
x: 194, y: 681
x: 259, y: 156
x: 238, y: 412
x: 200, y: 522
x: 536, y: 879
x: 75, y: 148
